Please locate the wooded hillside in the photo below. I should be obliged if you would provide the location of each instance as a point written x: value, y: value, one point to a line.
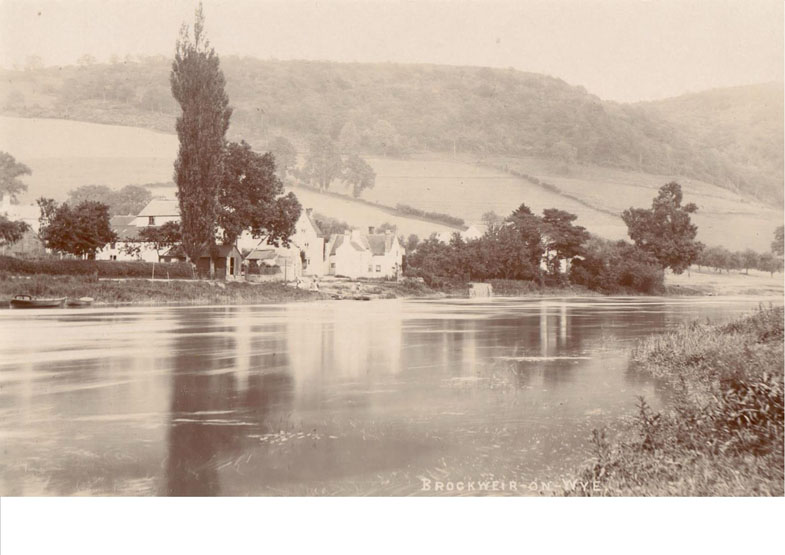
x: 730, y: 139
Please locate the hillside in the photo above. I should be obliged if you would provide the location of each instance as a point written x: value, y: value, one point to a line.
x: 741, y: 124
x: 66, y: 154
x: 406, y: 110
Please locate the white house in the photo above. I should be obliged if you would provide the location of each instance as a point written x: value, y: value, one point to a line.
x: 387, y: 255
x: 306, y: 243
x: 348, y: 254
x: 354, y: 254
x: 128, y: 245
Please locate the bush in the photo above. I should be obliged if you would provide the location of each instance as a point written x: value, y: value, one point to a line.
x: 617, y: 268
x: 100, y: 268
x: 435, y: 216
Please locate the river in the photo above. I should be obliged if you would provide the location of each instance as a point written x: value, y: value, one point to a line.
x: 330, y: 398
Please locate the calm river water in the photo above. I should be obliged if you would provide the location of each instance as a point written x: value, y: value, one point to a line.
x: 338, y: 397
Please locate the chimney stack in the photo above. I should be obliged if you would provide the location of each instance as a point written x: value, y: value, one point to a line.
x: 309, y: 211
x: 370, y: 230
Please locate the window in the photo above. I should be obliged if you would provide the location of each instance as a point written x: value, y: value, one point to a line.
x: 370, y: 268
x: 332, y: 265
x: 113, y: 257
x: 378, y: 268
x: 150, y: 220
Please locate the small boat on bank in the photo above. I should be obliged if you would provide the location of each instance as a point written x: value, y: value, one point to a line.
x: 81, y: 302
x: 27, y: 301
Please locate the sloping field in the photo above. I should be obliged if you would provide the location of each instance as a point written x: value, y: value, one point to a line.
x: 596, y: 195
x: 66, y: 154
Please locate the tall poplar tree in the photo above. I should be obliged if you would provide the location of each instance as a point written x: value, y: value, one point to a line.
x: 198, y: 86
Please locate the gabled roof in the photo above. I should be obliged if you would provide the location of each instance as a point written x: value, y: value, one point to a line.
x: 121, y: 225
x: 380, y: 244
x: 261, y: 254
x: 316, y: 228
x: 359, y: 244
x: 161, y: 207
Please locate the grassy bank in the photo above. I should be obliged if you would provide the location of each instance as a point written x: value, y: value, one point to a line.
x: 722, y: 433
x: 142, y: 291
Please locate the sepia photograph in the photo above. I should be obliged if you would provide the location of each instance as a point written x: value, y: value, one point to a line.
x: 391, y: 249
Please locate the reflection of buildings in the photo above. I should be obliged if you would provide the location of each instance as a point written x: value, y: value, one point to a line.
x: 220, y: 389
x: 343, y: 340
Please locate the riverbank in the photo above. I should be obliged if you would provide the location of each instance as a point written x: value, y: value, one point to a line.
x: 153, y: 292
x: 142, y: 291
x: 709, y: 282
x: 722, y: 433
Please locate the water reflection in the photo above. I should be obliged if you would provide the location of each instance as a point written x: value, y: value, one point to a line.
x: 318, y: 398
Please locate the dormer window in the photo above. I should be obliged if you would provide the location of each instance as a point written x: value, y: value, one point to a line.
x: 150, y: 220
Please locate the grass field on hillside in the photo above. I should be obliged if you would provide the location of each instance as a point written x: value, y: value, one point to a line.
x: 66, y: 154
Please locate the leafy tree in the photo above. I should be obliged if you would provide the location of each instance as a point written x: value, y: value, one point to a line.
x: 330, y: 226
x: 163, y: 236
x: 387, y: 226
x: 323, y: 164
x: 561, y: 237
x: 349, y: 138
x: 80, y: 231
x: 770, y: 263
x: 524, y: 233
x: 128, y: 200
x: 285, y: 156
x: 11, y: 231
x: 778, y: 245
x: 491, y: 219
x: 251, y: 197
x: 617, y: 267
x: 665, y: 230
x: 411, y: 243
x: 358, y: 174
x: 749, y: 259
x: 198, y: 86
x: 10, y: 172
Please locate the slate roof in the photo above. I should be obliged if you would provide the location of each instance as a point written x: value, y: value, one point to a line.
x: 121, y: 226
x: 340, y: 239
x: 161, y: 207
x: 261, y: 254
x: 380, y: 244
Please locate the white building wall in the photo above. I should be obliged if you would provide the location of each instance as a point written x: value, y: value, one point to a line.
x: 116, y: 251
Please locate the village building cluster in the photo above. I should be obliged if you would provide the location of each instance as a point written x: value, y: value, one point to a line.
x: 310, y: 253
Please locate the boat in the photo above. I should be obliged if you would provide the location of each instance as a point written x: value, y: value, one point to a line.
x: 80, y: 302
x: 27, y: 301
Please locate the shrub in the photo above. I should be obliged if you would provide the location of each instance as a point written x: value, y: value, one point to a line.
x: 101, y: 268
x: 617, y: 268
x: 435, y: 216
x: 722, y: 433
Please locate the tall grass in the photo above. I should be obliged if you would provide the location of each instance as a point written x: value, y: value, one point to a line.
x: 722, y: 433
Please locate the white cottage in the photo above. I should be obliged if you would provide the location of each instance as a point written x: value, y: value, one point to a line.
x: 375, y: 255
x: 128, y: 245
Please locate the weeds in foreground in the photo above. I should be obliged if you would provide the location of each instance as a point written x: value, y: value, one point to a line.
x: 723, y: 431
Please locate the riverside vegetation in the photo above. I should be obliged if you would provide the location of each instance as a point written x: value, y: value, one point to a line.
x: 721, y: 433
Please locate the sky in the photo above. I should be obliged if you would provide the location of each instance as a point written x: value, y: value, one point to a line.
x: 625, y: 50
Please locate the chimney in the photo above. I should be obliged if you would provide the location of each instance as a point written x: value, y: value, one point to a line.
x: 370, y: 230
x: 309, y: 211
